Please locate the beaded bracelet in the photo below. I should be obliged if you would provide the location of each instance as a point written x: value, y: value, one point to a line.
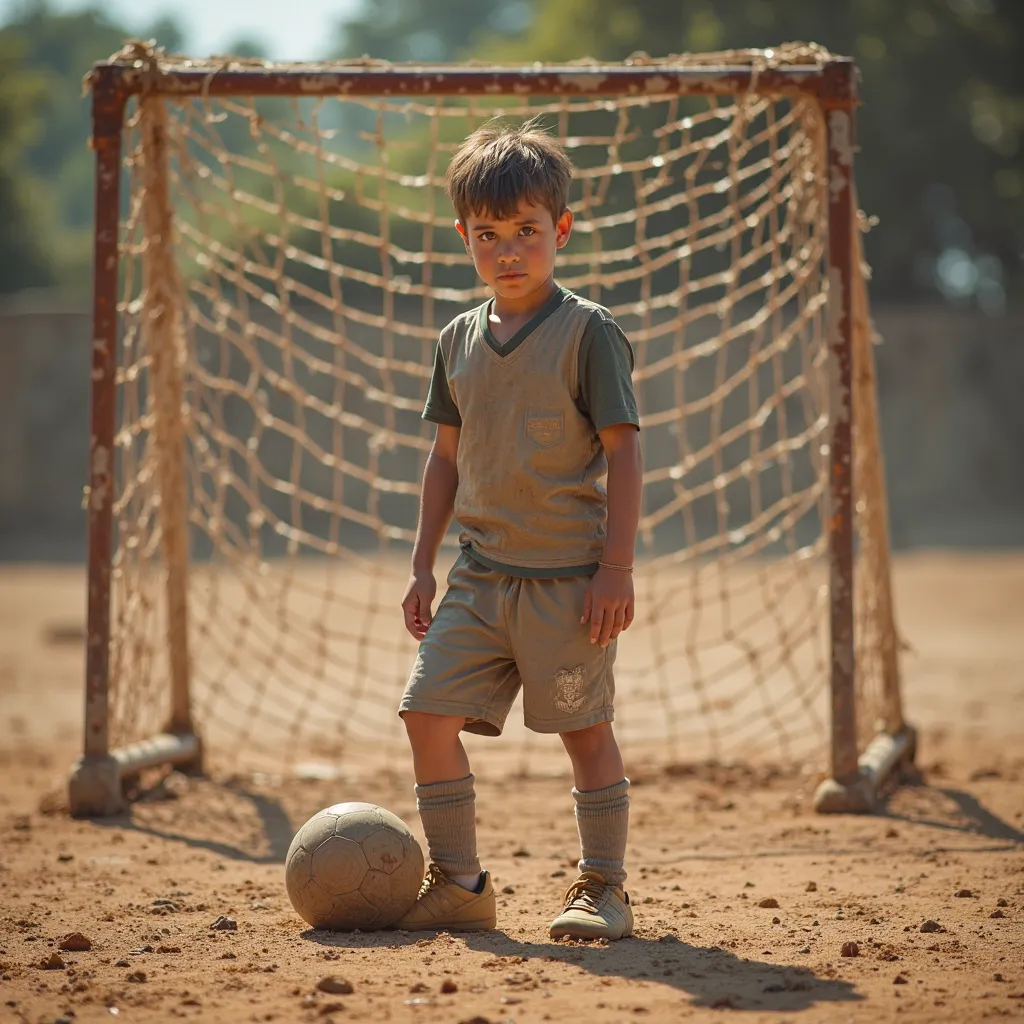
x: 618, y: 568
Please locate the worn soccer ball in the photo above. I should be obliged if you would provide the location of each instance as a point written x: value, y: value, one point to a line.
x: 353, y: 865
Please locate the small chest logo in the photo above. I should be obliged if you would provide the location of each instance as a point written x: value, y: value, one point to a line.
x: 569, y: 689
x: 543, y: 428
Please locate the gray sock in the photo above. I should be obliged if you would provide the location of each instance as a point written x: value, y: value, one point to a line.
x: 602, y: 816
x: 448, y: 813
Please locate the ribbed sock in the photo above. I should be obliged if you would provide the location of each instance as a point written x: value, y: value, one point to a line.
x: 448, y: 813
x: 602, y: 817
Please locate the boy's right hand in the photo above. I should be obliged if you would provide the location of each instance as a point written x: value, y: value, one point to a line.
x: 416, y: 605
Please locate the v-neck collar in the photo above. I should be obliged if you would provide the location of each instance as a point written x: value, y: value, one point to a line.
x: 525, y: 331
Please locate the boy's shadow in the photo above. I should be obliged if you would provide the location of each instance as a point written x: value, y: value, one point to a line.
x: 710, y: 976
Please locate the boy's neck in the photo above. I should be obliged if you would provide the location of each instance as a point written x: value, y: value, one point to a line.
x: 522, y: 307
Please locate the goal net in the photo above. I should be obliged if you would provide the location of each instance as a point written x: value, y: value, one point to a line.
x: 286, y: 263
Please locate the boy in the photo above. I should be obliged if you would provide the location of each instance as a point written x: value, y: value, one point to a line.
x: 533, y: 401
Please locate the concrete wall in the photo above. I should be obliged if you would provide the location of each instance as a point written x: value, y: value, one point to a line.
x: 951, y: 392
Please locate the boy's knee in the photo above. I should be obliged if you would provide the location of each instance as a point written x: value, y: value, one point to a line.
x: 591, y: 740
x: 422, y: 727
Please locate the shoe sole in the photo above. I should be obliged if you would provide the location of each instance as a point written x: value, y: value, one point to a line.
x: 569, y: 933
x: 484, y: 924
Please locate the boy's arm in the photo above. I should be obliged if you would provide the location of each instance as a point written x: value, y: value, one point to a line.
x: 609, y: 602
x: 437, y: 501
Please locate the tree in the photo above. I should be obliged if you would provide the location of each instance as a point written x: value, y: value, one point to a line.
x: 940, y: 128
x: 24, y: 262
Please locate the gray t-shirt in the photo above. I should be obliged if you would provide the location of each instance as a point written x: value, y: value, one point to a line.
x: 605, y: 370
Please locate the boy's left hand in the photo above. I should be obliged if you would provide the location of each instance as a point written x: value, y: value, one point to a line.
x: 608, y: 606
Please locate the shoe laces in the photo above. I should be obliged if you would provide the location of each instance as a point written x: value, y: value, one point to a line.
x: 586, y: 893
x: 434, y: 879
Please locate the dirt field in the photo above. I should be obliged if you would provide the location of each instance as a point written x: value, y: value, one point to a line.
x: 708, y: 845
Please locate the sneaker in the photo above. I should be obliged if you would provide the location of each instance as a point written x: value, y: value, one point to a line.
x: 594, y: 909
x: 443, y: 905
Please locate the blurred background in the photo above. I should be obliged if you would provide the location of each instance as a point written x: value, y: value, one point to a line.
x: 941, y: 168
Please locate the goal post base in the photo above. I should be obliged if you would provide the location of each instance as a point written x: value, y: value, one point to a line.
x: 884, y: 754
x: 94, y: 787
x: 97, y: 783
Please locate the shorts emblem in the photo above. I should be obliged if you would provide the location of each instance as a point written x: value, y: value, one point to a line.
x: 569, y: 693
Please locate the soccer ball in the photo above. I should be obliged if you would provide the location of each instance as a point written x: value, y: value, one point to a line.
x: 353, y: 865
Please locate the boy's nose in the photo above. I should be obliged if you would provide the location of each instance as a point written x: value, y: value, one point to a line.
x: 508, y: 255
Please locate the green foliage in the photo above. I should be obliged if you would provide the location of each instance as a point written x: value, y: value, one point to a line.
x: 940, y: 128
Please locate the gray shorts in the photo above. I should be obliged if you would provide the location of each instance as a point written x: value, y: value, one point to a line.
x: 493, y: 634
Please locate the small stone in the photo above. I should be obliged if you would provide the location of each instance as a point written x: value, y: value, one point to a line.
x: 141, y: 949
x: 65, y: 857
x: 138, y: 977
x: 931, y: 926
x: 998, y: 977
x: 168, y: 949
x: 776, y: 920
x: 508, y: 890
x: 227, y: 956
x: 648, y: 899
x: 329, y: 1008
x: 558, y: 874
x: 1002, y: 902
x: 122, y: 963
x: 806, y: 949
x: 891, y: 833
x: 335, y: 986
x: 52, y: 963
x: 418, y: 987
x: 520, y: 851
x: 811, y: 887
x: 997, y: 913
x: 225, y: 924
x: 768, y: 903
x: 850, y: 949
x: 964, y: 894
x: 74, y: 942
x: 899, y: 980
x: 448, y: 986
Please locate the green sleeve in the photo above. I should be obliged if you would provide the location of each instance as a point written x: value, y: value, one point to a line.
x: 606, y: 374
x: 441, y: 407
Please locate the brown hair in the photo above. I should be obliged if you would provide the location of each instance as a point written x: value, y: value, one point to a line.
x: 500, y: 165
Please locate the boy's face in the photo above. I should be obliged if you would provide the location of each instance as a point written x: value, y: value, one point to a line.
x: 516, y: 256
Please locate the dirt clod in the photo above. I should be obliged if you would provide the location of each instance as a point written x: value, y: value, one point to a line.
x: 335, y: 986
x: 931, y: 926
x: 448, y: 986
x: 997, y: 913
x: 811, y: 887
x: 964, y: 894
x: 74, y: 942
x: 768, y: 903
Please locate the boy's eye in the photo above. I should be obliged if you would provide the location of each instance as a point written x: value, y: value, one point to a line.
x: 527, y: 230
x: 485, y: 236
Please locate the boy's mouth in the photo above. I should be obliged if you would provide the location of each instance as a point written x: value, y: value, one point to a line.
x: 511, y: 275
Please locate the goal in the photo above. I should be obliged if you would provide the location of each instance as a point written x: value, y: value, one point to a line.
x: 274, y: 258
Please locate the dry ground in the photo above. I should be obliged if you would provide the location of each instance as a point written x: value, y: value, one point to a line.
x: 708, y: 845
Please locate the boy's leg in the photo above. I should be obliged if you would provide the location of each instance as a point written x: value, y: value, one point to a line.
x: 445, y: 794
x: 456, y: 894
x: 596, y: 906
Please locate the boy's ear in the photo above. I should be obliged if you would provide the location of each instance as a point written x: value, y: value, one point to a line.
x: 462, y: 231
x: 563, y: 228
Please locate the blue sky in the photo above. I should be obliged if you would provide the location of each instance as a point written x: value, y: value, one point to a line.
x: 288, y: 29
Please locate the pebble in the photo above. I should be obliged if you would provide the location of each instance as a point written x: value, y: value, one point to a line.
x: 931, y: 926
x: 997, y: 913
x: 74, y: 942
x: 508, y: 890
x: 964, y: 894
x: 448, y: 986
x: 811, y: 887
x: 137, y: 976
x: 52, y: 963
x: 335, y: 986
x: 768, y: 903
x: 850, y: 949
x: 225, y: 924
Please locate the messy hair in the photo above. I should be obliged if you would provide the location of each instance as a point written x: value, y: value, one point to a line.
x: 501, y: 165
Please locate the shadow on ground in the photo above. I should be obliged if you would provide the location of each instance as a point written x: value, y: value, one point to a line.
x: 709, y: 976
